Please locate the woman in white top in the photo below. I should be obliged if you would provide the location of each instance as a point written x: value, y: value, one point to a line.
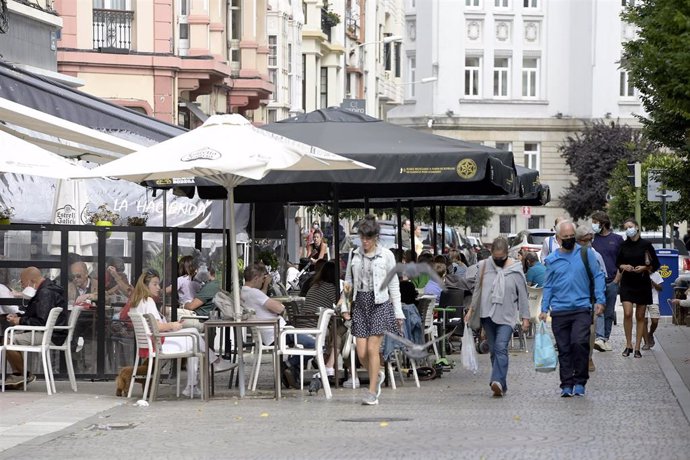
x: 147, y: 288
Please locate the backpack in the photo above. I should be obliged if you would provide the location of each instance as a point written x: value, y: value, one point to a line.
x: 226, y: 305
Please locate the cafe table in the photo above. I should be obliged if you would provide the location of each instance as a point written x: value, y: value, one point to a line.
x: 237, y: 327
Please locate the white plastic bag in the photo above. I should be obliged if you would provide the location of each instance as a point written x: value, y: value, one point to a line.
x: 469, y: 355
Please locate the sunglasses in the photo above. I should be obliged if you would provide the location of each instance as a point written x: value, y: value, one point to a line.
x: 77, y: 276
x: 152, y: 272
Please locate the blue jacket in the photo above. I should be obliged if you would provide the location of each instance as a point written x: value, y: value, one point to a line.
x: 567, y: 284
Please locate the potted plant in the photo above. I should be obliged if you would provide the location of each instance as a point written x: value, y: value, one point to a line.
x: 103, y: 217
x: 6, y: 213
x: 138, y: 221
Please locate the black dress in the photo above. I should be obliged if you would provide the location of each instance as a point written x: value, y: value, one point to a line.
x: 637, y: 287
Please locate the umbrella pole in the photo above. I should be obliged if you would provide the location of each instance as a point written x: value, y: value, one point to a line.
x: 225, y: 244
x: 399, y: 211
x: 235, y: 286
x: 166, y: 248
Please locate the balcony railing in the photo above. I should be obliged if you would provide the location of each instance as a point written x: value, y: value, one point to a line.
x: 112, y: 30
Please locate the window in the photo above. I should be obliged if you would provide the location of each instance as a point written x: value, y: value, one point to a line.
x: 473, y: 3
x: 472, y: 73
x: 501, y: 76
x: 530, y: 73
x: 535, y: 222
x: 411, y: 75
x: 272, y: 50
x: 531, y: 155
x: 626, y: 88
x: 323, y: 89
x: 273, y: 77
x: 501, y: 3
x: 506, y: 223
x: 290, y: 73
x: 530, y: 3
x: 110, y: 5
x: 397, y: 46
x: 626, y: 3
x: 505, y: 146
x: 272, y: 115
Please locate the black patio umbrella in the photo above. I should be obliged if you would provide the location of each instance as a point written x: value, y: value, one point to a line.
x: 409, y: 163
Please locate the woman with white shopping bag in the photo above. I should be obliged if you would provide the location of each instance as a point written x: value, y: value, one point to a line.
x: 500, y: 291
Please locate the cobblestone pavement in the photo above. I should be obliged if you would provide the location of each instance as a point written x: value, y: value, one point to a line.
x: 630, y: 410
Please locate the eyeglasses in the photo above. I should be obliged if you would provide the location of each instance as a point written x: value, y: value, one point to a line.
x: 77, y: 276
x: 152, y: 272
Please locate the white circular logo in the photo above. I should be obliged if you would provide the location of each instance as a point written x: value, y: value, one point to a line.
x: 202, y: 154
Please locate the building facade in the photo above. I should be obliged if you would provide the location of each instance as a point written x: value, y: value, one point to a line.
x: 520, y: 75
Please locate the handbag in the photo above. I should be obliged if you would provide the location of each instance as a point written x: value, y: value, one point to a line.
x: 469, y: 356
x: 545, y: 358
x: 475, y: 320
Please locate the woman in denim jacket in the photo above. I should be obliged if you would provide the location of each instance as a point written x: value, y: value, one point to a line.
x: 376, y: 308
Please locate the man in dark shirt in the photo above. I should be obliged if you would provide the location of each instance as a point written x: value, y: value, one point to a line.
x: 47, y: 295
x: 608, y: 244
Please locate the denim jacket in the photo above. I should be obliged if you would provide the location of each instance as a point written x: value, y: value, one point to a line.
x: 383, y: 262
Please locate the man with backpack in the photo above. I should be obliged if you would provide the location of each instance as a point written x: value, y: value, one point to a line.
x: 573, y: 283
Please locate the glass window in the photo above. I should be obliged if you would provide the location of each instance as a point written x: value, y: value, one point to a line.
x: 530, y: 73
x: 501, y: 3
x: 323, y: 90
x: 506, y: 223
x: 473, y: 3
x: 501, y: 76
x: 472, y: 73
x: 531, y: 155
x: 272, y: 50
x: 411, y: 75
x: 535, y: 222
x: 505, y: 146
x: 531, y: 3
x: 626, y: 88
x: 273, y: 77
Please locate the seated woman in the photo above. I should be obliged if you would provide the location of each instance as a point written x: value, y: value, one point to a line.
x: 433, y: 288
x: 187, y: 288
x: 147, y: 288
x: 322, y: 294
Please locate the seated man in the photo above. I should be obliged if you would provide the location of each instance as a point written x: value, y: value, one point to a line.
x: 253, y: 295
x: 202, y: 303
x: 433, y: 288
x: 536, y: 272
x: 116, y: 282
x: 43, y: 295
x: 82, y: 289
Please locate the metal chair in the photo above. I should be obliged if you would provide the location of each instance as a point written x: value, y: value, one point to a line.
x: 43, y: 348
x: 319, y: 334
x: 66, y: 346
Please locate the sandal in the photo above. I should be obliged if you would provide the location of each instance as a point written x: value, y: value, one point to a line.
x: 637, y: 354
x: 627, y: 352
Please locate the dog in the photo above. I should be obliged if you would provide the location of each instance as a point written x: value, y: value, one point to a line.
x: 124, y: 378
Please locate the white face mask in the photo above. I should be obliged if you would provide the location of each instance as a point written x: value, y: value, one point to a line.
x: 596, y: 228
x: 630, y: 232
x: 29, y: 292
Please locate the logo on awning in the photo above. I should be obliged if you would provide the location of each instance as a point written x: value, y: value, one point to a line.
x: 466, y: 168
x: 202, y: 154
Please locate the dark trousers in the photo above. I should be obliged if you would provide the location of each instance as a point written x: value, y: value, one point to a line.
x: 572, y: 332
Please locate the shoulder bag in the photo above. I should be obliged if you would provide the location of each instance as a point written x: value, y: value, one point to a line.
x: 475, y: 319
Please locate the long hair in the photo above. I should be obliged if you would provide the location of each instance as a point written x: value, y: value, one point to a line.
x: 141, y: 289
x: 325, y: 275
x: 186, y: 266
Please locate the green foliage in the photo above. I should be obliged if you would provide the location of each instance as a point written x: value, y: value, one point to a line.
x: 622, y: 205
x: 659, y: 67
x: 592, y: 156
x: 476, y: 217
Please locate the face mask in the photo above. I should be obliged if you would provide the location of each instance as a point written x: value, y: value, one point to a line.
x: 500, y: 262
x: 29, y: 292
x: 568, y: 243
x: 630, y: 232
x: 596, y: 228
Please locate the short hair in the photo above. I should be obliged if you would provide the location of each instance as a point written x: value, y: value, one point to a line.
x: 440, y: 269
x: 369, y: 227
x: 425, y: 257
x: 408, y: 293
x: 561, y: 224
x: 632, y: 221
x: 602, y: 218
x: 531, y: 257
x: 583, y: 230
x: 440, y: 259
x: 500, y: 244
x: 252, y: 271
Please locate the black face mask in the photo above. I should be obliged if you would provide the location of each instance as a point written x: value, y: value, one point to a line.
x: 500, y: 262
x: 568, y: 243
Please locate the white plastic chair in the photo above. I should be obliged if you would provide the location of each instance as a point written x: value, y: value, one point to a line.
x: 66, y: 346
x: 319, y: 335
x: 149, y: 338
x: 43, y: 348
x: 258, y: 350
x: 430, y: 329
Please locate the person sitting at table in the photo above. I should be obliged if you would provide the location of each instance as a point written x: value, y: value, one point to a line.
x: 82, y: 288
x: 253, y: 296
x: 147, y: 288
x: 116, y: 282
x: 423, y: 278
x: 202, y: 303
x: 308, y: 279
x: 432, y: 287
x: 322, y: 294
x: 187, y: 287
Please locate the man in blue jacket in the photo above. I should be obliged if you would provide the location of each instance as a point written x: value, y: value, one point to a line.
x: 567, y: 296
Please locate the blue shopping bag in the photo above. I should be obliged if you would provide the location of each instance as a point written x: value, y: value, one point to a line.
x: 545, y: 358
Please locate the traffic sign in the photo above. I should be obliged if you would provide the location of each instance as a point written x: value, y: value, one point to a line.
x: 656, y: 189
x: 526, y: 211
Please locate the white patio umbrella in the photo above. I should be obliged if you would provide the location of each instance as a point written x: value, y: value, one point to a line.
x: 228, y: 150
x: 21, y: 157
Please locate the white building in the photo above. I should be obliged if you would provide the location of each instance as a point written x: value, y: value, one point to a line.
x: 520, y: 75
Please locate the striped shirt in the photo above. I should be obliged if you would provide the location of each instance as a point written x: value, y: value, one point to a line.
x: 319, y: 295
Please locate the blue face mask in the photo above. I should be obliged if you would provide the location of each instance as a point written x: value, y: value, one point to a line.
x: 596, y: 228
x: 630, y: 232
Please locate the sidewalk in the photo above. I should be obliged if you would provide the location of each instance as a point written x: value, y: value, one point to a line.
x: 630, y: 410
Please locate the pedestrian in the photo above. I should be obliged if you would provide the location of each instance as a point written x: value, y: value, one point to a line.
x: 550, y: 244
x: 536, y: 272
x: 568, y: 298
x: 406, y: 235
x: 500, y: 292
x: 376, y: 308
x: 636, y: 260
x: 418, y: 245
x: 608, y: 244
x: 653, y: 311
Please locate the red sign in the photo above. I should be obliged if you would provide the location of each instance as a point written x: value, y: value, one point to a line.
x: 526, y: 211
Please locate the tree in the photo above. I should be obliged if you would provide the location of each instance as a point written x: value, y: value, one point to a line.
x: 592, y: 155
x: 622, y: 204
x: 476, y: 217
x: 658, y: 66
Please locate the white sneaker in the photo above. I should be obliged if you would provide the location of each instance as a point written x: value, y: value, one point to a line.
x: 599, y: 344
x: 193, y: 391
x: 222, y: 365
x: 330, y: 371
x: 607, y: 345
x: 350, y: 384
